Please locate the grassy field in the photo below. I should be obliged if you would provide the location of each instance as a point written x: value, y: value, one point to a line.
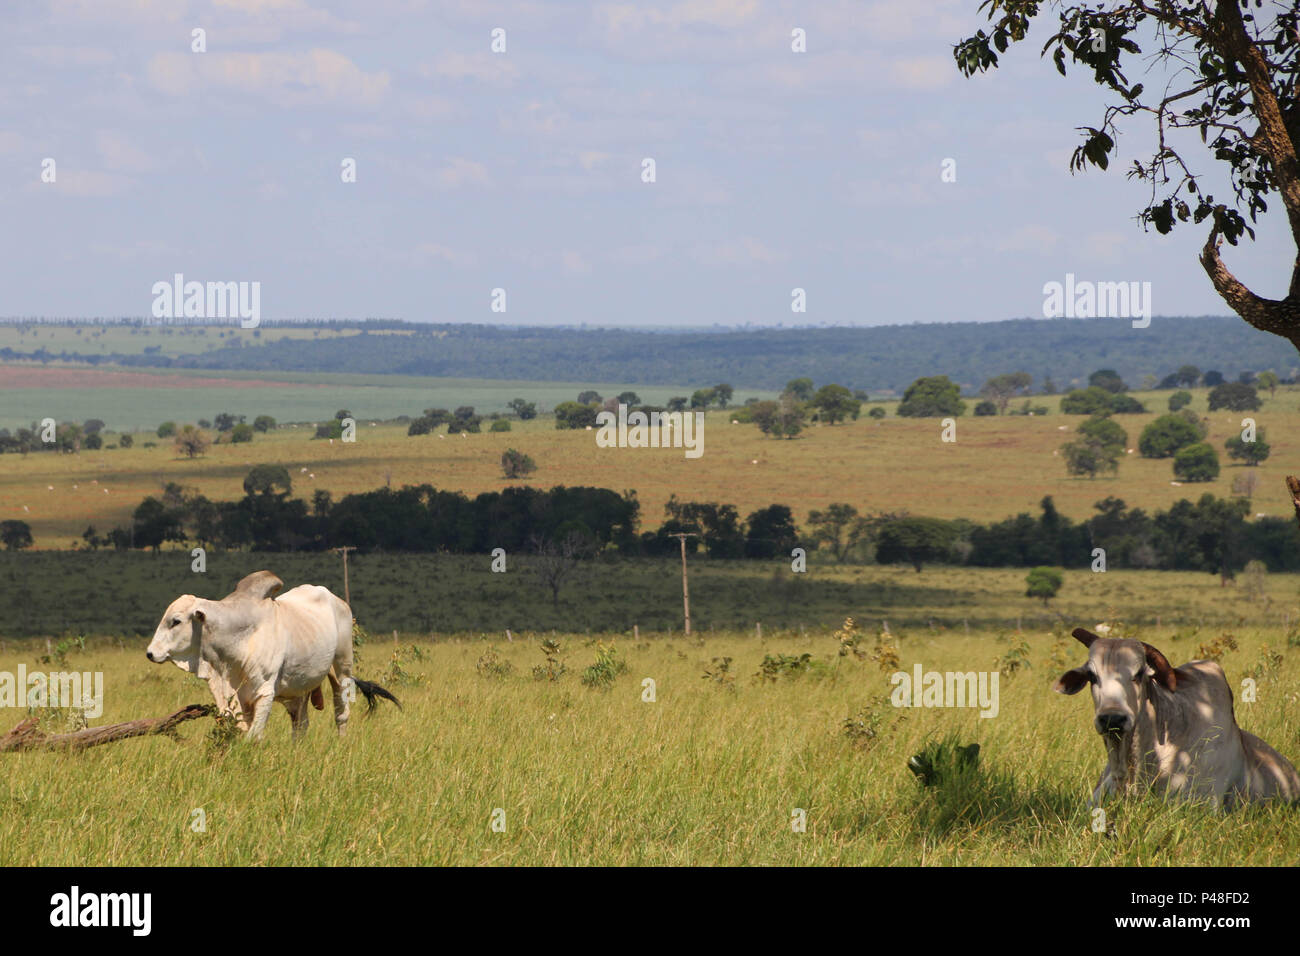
x: 460, y: 596
x: 136, y: 400
x: 998, y: 466
x: 710, y: 772
x: 171, y: 340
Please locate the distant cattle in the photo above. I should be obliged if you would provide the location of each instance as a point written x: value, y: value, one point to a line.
x: 254, y: 648
x: 1172, y: 730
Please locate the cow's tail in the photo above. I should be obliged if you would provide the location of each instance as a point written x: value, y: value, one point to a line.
x: 372, y: 690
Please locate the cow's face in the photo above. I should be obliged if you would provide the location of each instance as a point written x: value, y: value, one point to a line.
x: 178, y: 634
x: 1121, y: 674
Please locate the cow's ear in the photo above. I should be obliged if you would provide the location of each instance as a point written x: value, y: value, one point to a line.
x: 1071, y: 682
x: 1084, y: 636
x: 198, y: 615
x: 1164, y: 673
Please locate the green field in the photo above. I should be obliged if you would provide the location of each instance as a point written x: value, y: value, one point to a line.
x: 710, y: 772
x: 172, y: 340
x: 293, y: 396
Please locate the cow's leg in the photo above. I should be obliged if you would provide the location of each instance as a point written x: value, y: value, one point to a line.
x: 227, y: 701
x: 298, y: 712
x: 261, y: 707
x: 341, y: 704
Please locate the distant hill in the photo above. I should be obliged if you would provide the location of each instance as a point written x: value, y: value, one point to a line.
x: 877, y: 359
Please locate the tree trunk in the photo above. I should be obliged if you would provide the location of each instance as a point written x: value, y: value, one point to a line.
x: 26, y: 736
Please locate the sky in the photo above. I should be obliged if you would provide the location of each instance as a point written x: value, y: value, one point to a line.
x: 523, y: 170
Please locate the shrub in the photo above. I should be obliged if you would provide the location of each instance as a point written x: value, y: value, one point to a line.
x: 500, y: 425
x: 125, y: 441
x: 932, y: 397
x: 985, y: 408
x: 1196, y: 463
x: 1044, y: 583
x: 241, y: 433
x: 1251, y: 452
x: 1179, y: 400
x: 166, y: 429
x: 515, y: 464
x: 1163, y: 437
x: 1234, y: 397
x: 877, y: 412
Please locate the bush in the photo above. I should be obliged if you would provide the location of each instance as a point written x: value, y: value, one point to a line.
x: 515, y: 464
x: 166, y: 429
x: 125, y: 441
x: 500, y: 425
x: 932, y: 397
x: 93, y: 442
x: 877, y: 412
x: 1251, y: 452
x: 575, y: 415
x: 1044, y: 583
x: 1179, y: 400
x: 1164, y: 436
x: 1087, y: 401
x: 985, y: 408
x: 1196, y: 463
x: 1126, y: 405
x: 1234, y: 397
x: 263, y: 423
x: 241, y: 433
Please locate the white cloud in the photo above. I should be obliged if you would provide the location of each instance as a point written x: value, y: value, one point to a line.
x: 316, y: 77
x: 745, y: 251
x: 490, y: 68
x: 119, y: 153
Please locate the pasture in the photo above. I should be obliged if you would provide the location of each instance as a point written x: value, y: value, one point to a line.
x: 711, y: 772
x: 137, y: 400
x: 999, y: 466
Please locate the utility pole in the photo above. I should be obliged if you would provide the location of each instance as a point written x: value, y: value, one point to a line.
x: 344, y: 551
x: 686, y: 591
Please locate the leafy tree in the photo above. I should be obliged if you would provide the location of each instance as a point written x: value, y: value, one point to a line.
x: 500, y: 425
x: 916, y: 541
x: 125, y: 440
x: 1251, y: 452
x: 226, y: 422
x: 1228, y: 70
x: 839, y: 527
x: 770, y: 532
x: 800, y: 388
x: 629, y: 399
x: 1092, y: 400
x: 1235, y: 397
x: 15, y: 535
x: 1044, y: 583
x: 1126, y: 405
x: 1212, y: 378
x: 93, y: 442
x: 702, y: 398
x: 1002, y: 388
x: 589, y: 397
x: 985, y: 408
x: 263, y: 423
x: 1196, y: 463
x: 877, y: 411
x: 525, y: 410
x: 1099, y: 447
x: 834, y: 403
x: 268, y: 480
x: 722, y: 394
x: 191, y: 442
x: 92, y: 426
x: 783, y: 419
x: 241, y: 433
x: 1163, y: 437
x: 515, y: 464
x: 677, y: 403
x: 153, y: 524
x: 1108, y: 379
x: 575, y: 415
x: 931, y: 397
x: 1187, y: 376
x: 1179, y: 400
x: 1268, y: 380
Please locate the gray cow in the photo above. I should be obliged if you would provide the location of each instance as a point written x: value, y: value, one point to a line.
x: 1173, y: 730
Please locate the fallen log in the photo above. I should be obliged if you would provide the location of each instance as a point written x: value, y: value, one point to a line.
x: 27, y: 736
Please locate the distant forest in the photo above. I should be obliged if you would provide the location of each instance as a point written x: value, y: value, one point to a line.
x: 876, y: 359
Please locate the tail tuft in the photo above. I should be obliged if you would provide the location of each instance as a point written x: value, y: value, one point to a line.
x: 372, y: 690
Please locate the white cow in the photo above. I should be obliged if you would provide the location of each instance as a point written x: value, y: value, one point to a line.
x: 254, y: 648
x: 1173, y: 730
